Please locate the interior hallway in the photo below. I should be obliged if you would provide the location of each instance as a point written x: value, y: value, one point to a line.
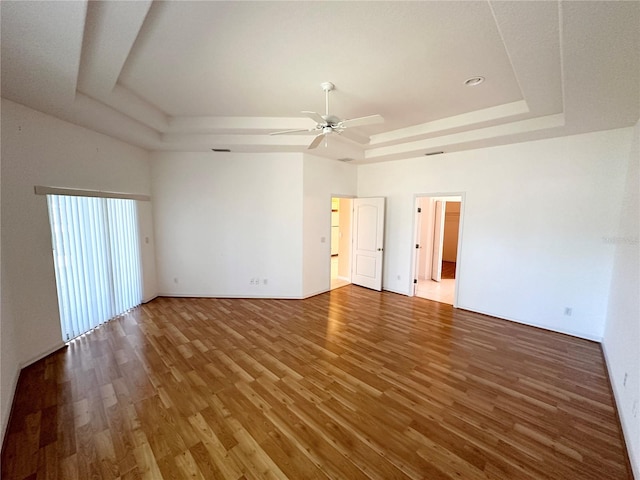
x: 336, y: 282
x: 443, y: 291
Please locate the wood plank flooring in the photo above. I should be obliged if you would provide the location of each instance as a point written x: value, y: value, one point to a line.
x: 448, y: 270
x: 352, y: 384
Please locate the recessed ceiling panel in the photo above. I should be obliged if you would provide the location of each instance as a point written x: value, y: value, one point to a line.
x: 191, y: 76
x: 404, y: 60
x: 40, y: 61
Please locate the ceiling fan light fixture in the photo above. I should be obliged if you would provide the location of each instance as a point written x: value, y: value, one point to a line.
x: 473, y: 81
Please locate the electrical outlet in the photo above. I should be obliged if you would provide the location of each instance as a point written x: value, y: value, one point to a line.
x: 568, y: 311
x: 264, y: 281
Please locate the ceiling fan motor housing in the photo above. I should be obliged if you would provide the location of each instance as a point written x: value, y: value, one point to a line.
x: 331, y: 120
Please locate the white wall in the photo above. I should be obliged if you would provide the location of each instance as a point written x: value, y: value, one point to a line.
x: 323, y: 178
x: 38, y: 149
x: 621, y: 341
x: 539, y: 219
x: 535, y: 215
x: 222, y: 219
x: 147, y: 249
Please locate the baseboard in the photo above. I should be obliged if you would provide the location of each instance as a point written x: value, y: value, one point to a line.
x: 6, y: 416
x: 571, y: 333
x: 42, y: 355
x: 313, y: 294
x: 635, y: 462
x: 147, y: 300
x: 181, y: 295
x: 399, y: 292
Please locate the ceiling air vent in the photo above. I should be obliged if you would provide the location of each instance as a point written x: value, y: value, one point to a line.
x: 220, y: 150
x: 345, y: 159
x: 433, y: 153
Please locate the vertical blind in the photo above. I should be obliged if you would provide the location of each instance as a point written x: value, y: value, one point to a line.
x: 96, y: 259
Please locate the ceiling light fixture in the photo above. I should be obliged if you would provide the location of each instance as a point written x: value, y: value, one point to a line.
x: 473, y: 81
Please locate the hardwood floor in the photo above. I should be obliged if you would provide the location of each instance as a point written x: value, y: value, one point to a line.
x: 345, y: 385
x: 448, y: 270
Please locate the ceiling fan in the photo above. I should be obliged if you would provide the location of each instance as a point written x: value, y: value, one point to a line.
x: 327, y: 124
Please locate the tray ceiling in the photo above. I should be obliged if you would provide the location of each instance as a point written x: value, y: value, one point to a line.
x: 194, y: 76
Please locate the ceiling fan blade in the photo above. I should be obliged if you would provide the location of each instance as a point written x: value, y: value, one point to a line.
x: 316, y: 141
x: 316, y: 117
x: 360, y: 121
x: 354, y: 136
x: 291, y: 131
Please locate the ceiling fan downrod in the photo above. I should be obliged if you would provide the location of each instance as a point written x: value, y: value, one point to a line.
x: 327, y: 87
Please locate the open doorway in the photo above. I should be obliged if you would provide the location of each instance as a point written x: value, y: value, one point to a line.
x: 341, y: 210
x: 438, y: 220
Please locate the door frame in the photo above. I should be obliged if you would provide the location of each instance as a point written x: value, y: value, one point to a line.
x: 438, y: 239
x: 416, y: 238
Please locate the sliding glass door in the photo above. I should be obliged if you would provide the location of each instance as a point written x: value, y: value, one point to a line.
x: 96, y: 259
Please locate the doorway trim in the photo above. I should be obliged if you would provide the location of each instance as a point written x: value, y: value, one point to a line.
x: 416, y: 236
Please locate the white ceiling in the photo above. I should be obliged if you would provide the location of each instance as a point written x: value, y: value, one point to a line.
x: 199, y: 75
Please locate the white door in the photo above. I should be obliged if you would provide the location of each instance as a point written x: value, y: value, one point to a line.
x: 438, y: 238
x: 368, y: 237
